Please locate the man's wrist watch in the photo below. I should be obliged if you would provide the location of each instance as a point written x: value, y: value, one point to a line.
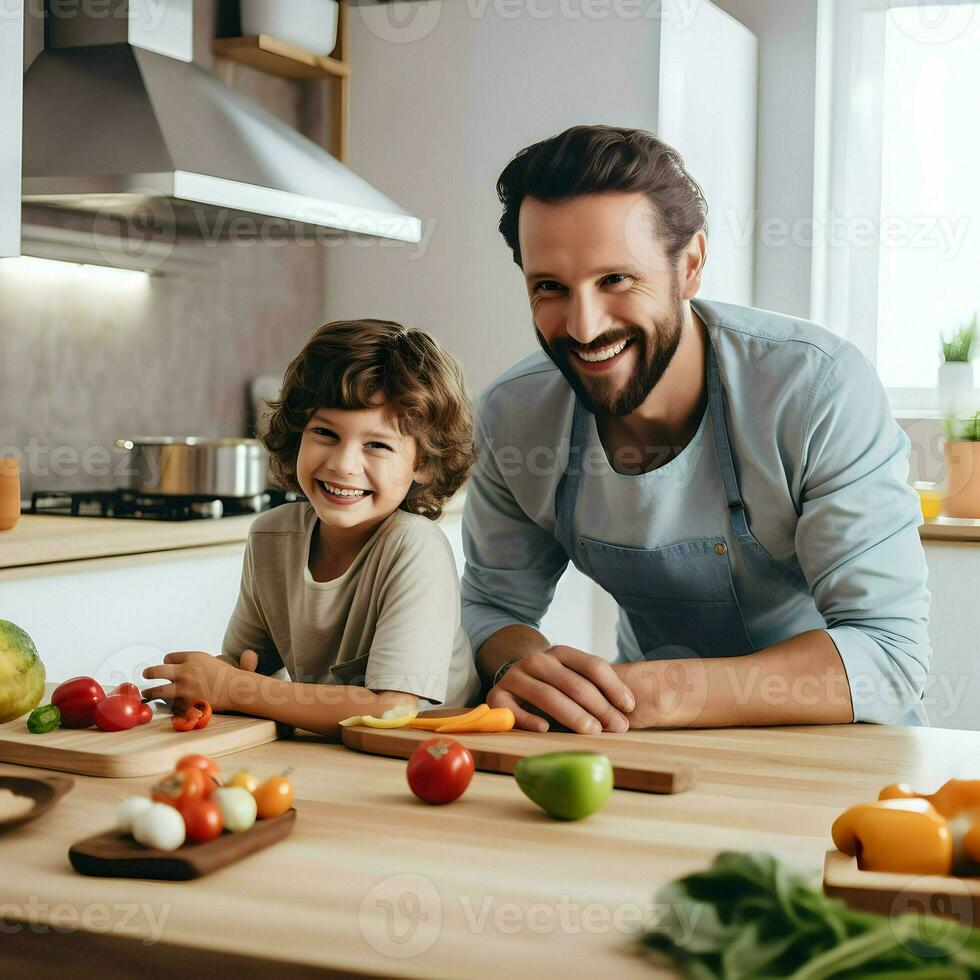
x: 502, y: 669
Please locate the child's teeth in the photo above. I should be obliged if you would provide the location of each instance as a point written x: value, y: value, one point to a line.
x: 343, y: 493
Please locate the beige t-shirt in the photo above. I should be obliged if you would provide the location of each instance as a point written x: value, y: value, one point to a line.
x: 390, y: 622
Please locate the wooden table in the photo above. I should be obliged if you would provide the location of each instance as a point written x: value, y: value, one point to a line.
x: 372, y: 882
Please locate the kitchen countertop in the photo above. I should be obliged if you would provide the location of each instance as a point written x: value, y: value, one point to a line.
x: 43, y: 539
x: 950, y: 529
x: 501, y: 888
x: 39, y: 539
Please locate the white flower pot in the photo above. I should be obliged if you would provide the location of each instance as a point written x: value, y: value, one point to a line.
x: 955, y: 388
x: 309, y: 24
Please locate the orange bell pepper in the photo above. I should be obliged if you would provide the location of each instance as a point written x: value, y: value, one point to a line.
x: 903, y: 835
x: 434, y: 724
x: 494, y: 720
x: 951, y: 799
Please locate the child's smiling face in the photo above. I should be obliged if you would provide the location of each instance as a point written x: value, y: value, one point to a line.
x: 355, y: 450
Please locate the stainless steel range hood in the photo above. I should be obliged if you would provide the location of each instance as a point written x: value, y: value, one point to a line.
x: 117, y: 118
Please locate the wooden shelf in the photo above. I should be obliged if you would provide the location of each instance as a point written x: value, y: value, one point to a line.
x: 276, y: 57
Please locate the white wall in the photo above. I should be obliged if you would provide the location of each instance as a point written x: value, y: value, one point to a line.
x: 708, y: 78
x: 787, y: 33
x: 445, y: 93
x: 435, y: 119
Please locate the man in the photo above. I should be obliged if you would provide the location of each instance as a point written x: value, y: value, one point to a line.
x: 733, y: 477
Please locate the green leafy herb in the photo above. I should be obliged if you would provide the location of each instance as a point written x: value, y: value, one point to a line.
x: 963, y: 430
x: 752, y: 917
x: 959, y: 347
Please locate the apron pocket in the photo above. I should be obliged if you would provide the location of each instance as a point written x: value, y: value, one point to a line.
x: 680, y: 599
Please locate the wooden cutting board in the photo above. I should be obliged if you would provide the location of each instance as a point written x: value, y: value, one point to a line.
x: 145, y: 750
x: 116, y: 855
x: 895, y: 894
x: 636, y: 766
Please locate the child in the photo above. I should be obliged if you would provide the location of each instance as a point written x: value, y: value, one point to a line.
x: 351, y: 598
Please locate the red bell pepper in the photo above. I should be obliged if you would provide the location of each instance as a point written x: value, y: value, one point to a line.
x: 196, y: 716
x: 76, y: 700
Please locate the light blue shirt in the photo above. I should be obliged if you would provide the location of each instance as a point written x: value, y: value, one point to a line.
x: 823, y: 470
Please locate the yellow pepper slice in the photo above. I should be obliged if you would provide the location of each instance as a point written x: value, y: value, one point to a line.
x: 495, y: 720
x: 906, y: 836
x: 397, y: 717
x: 434, y: 724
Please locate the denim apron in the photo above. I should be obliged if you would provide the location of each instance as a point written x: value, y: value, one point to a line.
x: 680, y: 598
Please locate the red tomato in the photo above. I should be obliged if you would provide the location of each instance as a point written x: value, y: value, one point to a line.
x: 129, y: 691
x: 144, y: 714
x: 439, y: 770
x: 116, y: 714
x: 202, y: 818
x: 76, y: 700
x: 208, y: 766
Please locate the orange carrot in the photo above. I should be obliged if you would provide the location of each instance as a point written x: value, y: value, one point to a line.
x: 495, y: 720
x: 433, y: 724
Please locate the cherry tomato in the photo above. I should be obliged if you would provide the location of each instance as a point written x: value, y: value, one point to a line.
x: 183, y: 785
x: 439, y: 770
x: 208, y: 766
x: 202, y: 818
x: 273, y: 797
x: 116, y: 714
x: 144, y: 714
x: 76, y: 700
x: 245, y: 779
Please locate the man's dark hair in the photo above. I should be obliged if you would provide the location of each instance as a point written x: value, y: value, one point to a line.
x: 596, y: 159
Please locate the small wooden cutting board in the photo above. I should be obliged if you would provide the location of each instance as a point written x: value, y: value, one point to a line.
x: 145, y: 750
x: 896, y: 894
x: 636, y: 766
x: 116, y: 855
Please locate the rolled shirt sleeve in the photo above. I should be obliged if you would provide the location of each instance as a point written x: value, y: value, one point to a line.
x: 512, y: 564
x: 858, y: 544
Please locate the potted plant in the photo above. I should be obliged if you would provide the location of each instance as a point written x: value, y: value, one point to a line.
x: 962, y: 497
x: 955, y: 385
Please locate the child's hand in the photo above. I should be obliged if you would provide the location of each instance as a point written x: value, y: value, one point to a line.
x: 194, y: 676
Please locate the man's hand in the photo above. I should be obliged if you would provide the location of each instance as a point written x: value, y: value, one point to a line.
x: 195, y: 675
x: 576, y: 689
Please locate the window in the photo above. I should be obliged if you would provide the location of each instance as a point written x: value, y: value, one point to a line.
x: 898, y: 185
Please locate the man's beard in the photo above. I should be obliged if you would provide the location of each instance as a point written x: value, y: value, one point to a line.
x: 597, y: 393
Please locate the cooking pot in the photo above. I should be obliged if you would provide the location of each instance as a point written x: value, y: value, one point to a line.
x: 193, y: 466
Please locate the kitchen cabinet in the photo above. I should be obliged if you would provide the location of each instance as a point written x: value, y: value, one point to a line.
x: 953, y: 692
x: 11, y: 121
x: 108, y: 618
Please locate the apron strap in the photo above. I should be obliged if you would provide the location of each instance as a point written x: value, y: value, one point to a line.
x: 717, y: 404
x: 567, y: 493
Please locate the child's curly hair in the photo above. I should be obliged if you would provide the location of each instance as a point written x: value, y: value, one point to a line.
x: 346, y: 365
